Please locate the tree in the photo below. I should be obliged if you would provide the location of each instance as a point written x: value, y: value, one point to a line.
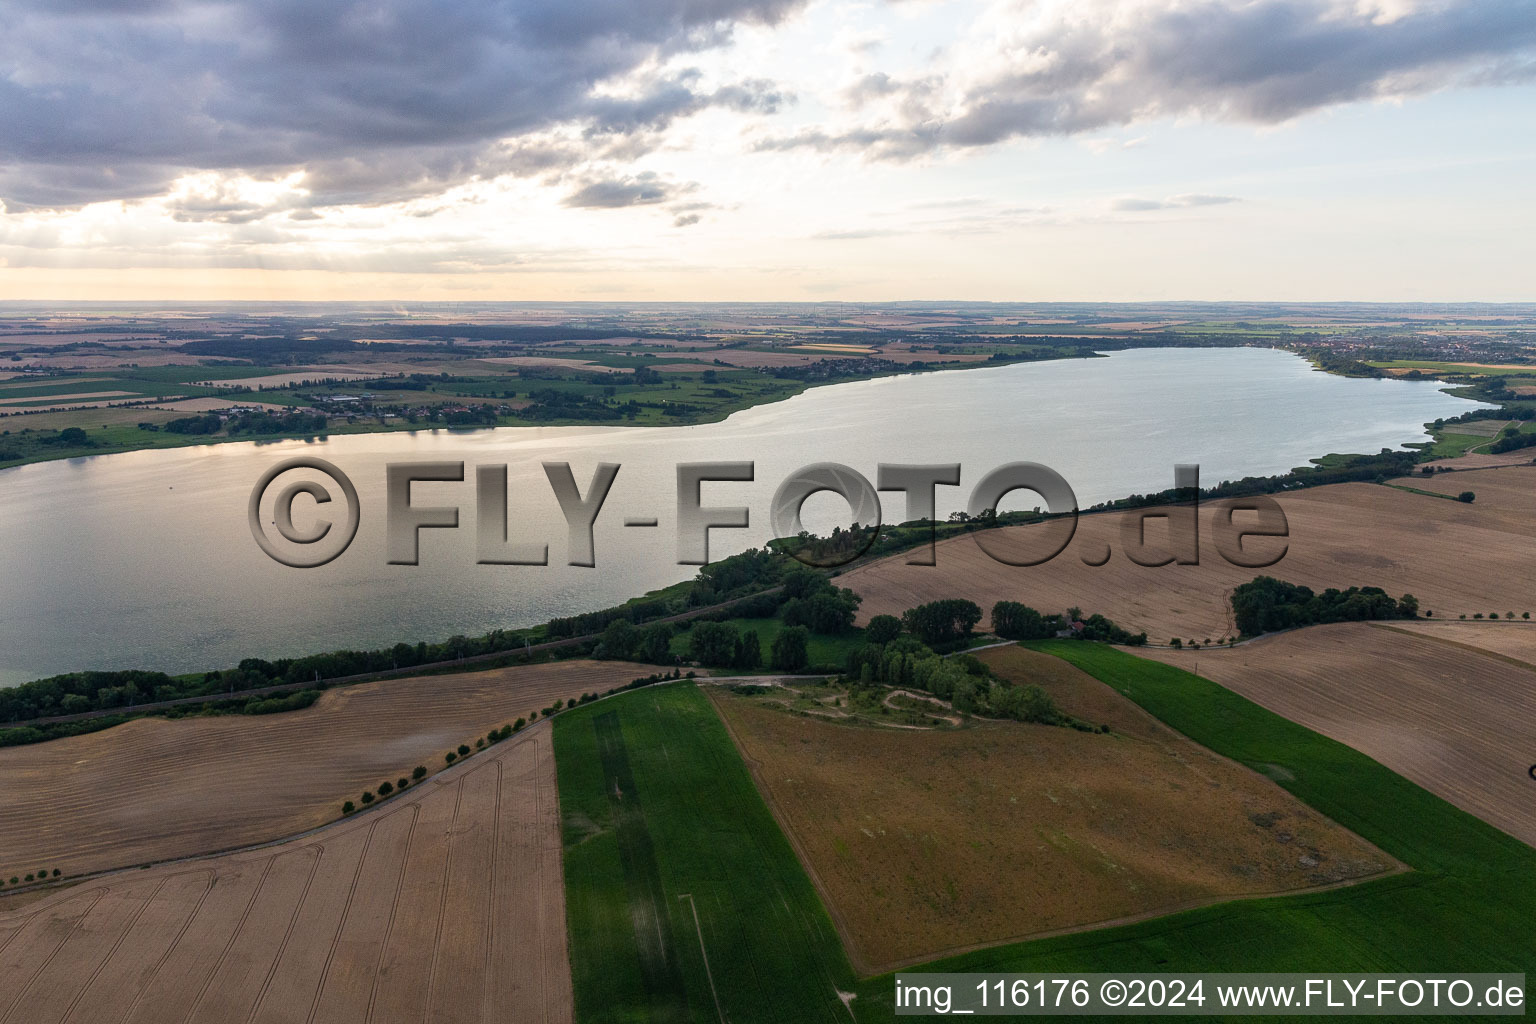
x: 942, y: 622
x: 655, y: 644
x: 386, y: 788
x: 619, y: 639
x: 749, y: 651
x: 1014, y: 621
x: 367, y: 798
x: 789, y: 649
x: 402, y: 783
x: 450, y: 757
x: 882, y: 629
x: 713, y: 644
x: 348, y: 807
x: 1467, y: 497
x: 74, y: 436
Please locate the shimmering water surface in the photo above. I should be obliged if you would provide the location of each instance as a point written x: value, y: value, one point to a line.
x: 146, y: 559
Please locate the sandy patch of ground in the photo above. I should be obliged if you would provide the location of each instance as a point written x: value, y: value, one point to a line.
x: 155, y: 788
x: 446, y: 903
x: 1459, y: 723
x: 927, y: 842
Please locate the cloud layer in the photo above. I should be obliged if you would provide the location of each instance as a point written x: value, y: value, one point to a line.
x: 377, y: 99
x: 1041, y: 68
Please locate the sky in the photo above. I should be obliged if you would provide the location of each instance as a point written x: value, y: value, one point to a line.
x: 768, y: 150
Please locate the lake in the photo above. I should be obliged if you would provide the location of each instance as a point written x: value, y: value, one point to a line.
x: 146, y: 559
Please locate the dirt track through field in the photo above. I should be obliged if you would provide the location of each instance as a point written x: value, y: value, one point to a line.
x: 444, y: 904
x: 1459, y: 723
x: 154, y: 788
x: 1455, y: 558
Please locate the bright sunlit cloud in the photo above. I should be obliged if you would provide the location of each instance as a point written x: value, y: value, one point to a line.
x: 767, y: 149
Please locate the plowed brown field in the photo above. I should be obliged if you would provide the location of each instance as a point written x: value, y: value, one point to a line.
x: 1459, y: 723
x: 445, y: 904
x: 1454, y: 558
x: 154, y: 789
x: 927, y: 842
x: 1512, y: 489
x: 1514, y: 640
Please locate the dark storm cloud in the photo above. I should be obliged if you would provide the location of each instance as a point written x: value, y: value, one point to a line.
x: 109, y: 99
x: 1263, y: 62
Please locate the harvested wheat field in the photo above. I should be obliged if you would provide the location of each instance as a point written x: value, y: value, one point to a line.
x: 929, y: 842
x: 1512, y: 488
x: 154, y: 788
x: 1515, y: 640
x: 1459, y: 723
x: 1484, y: 460
x: 446, y: 904
x: 1453, y: 557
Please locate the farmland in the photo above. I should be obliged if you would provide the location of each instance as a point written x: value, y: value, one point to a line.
x: 1467, y: 904
x: 1455, y: 558
x: 154, y: 789
x: 907, y: 831
x: 443, y: 904
x: 1423, y: 708
x: 685, y: 900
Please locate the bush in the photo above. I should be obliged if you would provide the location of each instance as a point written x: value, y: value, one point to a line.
x: 882, y: 629
x: 1267, y: 604
x: 789, y: 649
x: 942, y: 622
x: 712, y: 644
x: 1014, y: 621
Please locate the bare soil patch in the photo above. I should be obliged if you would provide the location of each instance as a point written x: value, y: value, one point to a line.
x: 445, y: 903
x: 154, y: 788
x: 927, y: 842
x: 1459, y: 723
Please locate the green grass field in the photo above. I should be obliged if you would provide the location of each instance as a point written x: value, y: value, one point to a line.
x: 1469, y: 904
x: 661, y: 821
x: 657, y: 803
